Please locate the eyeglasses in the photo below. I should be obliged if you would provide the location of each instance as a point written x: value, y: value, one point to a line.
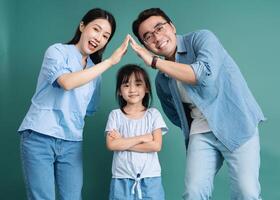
x: 149, y: 37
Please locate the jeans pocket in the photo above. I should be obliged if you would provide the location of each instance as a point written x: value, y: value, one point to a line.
x: 26, y: 133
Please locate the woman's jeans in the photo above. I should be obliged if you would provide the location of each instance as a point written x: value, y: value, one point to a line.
x: 49, y: 165
x: 205, y: 157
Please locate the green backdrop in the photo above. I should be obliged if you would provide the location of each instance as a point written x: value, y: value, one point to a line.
x: 249, y: 30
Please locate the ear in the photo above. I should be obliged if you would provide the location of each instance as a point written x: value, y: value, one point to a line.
x: 82, y: 26
x: 173, y: 27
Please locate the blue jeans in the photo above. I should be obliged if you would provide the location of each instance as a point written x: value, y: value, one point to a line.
x: 151, y: 188
x: 205, y: 157
x: 48, y: 162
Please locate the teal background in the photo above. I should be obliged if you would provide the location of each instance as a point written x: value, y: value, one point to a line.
x: 249, y: 30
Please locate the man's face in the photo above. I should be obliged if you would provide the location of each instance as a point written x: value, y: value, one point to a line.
x: 158, y: 36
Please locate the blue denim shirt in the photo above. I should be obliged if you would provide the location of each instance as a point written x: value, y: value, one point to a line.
x: 55, y: 111
x: 221, y: 93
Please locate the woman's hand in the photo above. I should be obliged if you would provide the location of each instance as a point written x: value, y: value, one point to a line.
x: 118, y: 54
x: 142, y: 52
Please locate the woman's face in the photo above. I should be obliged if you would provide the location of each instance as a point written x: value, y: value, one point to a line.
x: 94, y: 37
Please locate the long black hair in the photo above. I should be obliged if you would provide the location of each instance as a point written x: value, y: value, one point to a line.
x: 93, y: 14
x: 123, y: 76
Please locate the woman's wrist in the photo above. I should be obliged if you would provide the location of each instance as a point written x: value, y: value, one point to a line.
x: 108, y: 62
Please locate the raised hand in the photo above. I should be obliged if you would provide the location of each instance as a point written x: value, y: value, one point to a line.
x: 142, y: 52
x: 119, y: 52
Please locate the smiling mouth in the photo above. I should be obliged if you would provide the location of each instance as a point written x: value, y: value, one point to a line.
x: 132, y: 96
x: 92, y: 45
x: 162, y: 44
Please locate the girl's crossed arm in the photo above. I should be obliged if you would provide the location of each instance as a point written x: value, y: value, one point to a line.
x: 151, y: 146
x: 144, y: 143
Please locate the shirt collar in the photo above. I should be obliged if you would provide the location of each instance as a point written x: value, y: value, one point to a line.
x: 181, y: 48
x: 79, y: 56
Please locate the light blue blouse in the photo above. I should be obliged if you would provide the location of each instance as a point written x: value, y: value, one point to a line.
x: 55, y: 111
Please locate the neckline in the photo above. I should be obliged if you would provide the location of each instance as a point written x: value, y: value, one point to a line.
x: 134, y: 119
x: 79, y: 56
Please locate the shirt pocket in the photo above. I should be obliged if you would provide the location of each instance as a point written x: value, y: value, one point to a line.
x: 26, y: 133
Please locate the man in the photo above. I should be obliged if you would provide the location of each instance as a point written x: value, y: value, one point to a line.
x: 202, y: 90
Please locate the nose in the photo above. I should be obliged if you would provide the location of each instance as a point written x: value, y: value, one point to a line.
x: 131, y: 88
x: 98, y: 37
x: 157, y: 37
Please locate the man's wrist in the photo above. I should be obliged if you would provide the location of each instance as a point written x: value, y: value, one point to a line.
x: 154, y: 62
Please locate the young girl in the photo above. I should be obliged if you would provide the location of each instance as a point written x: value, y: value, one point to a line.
x: 134, y: 133
x: 68, y: 88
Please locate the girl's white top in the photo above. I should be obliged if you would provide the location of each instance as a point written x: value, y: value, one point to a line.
x: 129, y: 164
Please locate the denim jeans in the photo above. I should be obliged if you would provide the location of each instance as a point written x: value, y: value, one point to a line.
x: 49, y: 165
x: 205, y: 157
x: 151, y: 189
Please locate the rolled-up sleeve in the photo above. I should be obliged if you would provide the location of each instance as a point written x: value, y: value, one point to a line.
x: 55, y: 64
x: 209, y: 57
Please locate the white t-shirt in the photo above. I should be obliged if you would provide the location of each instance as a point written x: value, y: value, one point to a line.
x: 199, y: 123
x: 127, y: 164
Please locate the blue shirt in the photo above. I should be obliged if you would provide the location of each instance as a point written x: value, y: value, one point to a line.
x: 221, y: 93
x: 55, y: 111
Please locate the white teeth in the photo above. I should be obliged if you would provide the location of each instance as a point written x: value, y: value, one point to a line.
x: 162, y: 44
x: 93, y: 44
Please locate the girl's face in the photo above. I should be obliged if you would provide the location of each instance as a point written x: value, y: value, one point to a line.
x: 134, y: 90
x: 94, y: 36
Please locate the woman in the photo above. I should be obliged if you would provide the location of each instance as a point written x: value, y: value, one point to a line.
x: 68, y: 88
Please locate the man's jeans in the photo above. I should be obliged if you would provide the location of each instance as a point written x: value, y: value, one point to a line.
x: 205, y: 157
x: 48, y: 162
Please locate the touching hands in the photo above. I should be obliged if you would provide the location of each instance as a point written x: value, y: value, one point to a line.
x: 119, y: 53
x: 142, y: 52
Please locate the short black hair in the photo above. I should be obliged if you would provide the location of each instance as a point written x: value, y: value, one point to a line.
x: 145, y: 14
x: 91, y: 15
x: 123, y: 75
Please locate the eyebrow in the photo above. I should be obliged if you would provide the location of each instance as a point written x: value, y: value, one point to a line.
x: 102, y: 28
x: 158, y: 24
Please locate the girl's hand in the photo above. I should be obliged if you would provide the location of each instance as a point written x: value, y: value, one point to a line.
x: 114, y: 134
x: 118, y: 54
x: 147, y: 138
x: 142, y: 52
